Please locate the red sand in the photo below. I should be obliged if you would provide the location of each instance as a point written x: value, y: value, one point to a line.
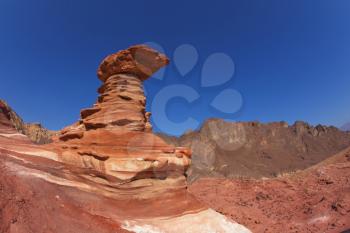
x: 315, y: 200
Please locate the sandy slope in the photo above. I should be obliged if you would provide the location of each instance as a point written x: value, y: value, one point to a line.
x: 314, y: 200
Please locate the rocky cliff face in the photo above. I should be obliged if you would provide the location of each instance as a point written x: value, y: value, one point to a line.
x: 108, y: 168
x: 35, y: 132
x: 252, y: 149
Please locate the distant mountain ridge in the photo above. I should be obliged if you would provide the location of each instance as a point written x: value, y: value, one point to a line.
x: 346, y: 127
x: 253, y: 149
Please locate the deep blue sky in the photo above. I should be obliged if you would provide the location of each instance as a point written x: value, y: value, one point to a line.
x: 292, y: 58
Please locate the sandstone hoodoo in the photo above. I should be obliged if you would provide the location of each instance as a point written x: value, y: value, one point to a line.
x: 122, y: 101
x: 114, y: 136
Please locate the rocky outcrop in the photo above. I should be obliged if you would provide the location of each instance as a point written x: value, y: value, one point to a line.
x: 38, y: 134
x: 34, y: 131
x: 108, y: 168
x: 9, y: 116
x: 253, y: 149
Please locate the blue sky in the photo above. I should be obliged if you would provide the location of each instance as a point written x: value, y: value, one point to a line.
x: 292, y: 58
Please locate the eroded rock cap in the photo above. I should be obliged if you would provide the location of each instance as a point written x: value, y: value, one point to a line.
x: 139, y: 60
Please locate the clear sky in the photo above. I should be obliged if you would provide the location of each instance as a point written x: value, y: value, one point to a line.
x: 291, y: 58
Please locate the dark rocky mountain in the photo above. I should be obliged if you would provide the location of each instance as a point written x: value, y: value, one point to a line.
x: 34, y: 131
x: 253, y: 149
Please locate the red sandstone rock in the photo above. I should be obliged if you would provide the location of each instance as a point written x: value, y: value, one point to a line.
x: 138, y: 60
x: 7, y: 124
x: 114, y: 136
x: 35, y: 132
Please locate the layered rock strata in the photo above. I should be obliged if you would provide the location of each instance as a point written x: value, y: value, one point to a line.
x: 35, y: 131
x: 114, y: 136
